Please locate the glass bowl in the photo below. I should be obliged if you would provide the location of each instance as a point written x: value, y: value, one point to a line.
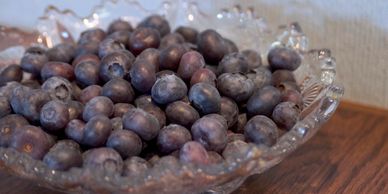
x: 316, y: 77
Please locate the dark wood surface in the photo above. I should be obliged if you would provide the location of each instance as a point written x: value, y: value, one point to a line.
x: 348, y: 155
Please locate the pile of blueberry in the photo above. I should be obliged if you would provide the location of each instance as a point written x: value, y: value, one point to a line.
x: 134, y: 97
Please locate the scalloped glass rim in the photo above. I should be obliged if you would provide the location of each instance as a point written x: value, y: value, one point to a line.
x: 316, y: 77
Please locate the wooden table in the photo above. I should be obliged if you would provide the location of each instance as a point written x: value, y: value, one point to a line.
x: 348, y: 155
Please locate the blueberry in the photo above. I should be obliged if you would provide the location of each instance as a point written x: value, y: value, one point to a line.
x: 263, y: 101
x: 119, y: 25
x: 108, y: 46
x: 54, y: 116
x: 210, y: 132
x: 116, y: 65
x: 181, y: 113
x: 261, y: 130
x: 8, y: 88
x: 288, y: 85
x: 90, y: 92
x: 75, y: 130
x: 156, y: 22
x: 286, y: 114
x: 284, y: 58
x: 143, y: 76
x: 87, y: 48
x: 282, y: 75
x: 253, y: 58
x: 117, y: 123
x: 167, y: 163
x: 235, y: 150
x: 121, y: 36
x: 30, y: 140
x: 55, y: 68
x: 233, y: 63
x: 97, y: 131
x: 142, y: 123
x: 75, y: 109
x: 11, y: 73
x: 7, y: 125
x: 291, y: 95
x: 231, y: 47
x: 188, y: 33
x: 16, y: 97
x: 260, y: 77
x: 92, y: 35
x: 172, y: 137
x: 33, y: 60
x: 135, y: 166
x: 152, y: 56
x: 205, y: 98
x: 157, y: 112
x: 106, y: 159
x: 5, y: 106
x: 63, y: 156
x: 212, y: 46
x: 87, y: 73
x: 171, y: 39
x: 193, y: 152
x: 99, y: 105
x: 203, y: 75
x: 235, y: 85
x: 59, y: 88
x: 221, y: 119
x: 190, y: 62
x: 121, y: 108
x: 171, y: 56
x: 62, y: 52
x: 143, y: 38
x: 211, y: 68
x: 215, y: 158
x: 125, y: 142
x: 118, y: 90
x: 85, y: 57
x: 229, y: 110
x: 168, y: 89
x: 162, y: 73
x: 143, y: 100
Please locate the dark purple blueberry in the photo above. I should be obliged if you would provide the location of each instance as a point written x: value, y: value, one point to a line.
x: 231, y: 47
x: 54, y: 116
x: 284, y: 58
x: 162, y: 73
x: 59, y: 88
x: 233, y: 63
x: 219, y: 118
x: 236, y: 136
x: 117, y: 123
x: 171, y: 56
x: 92, y: 35
x: 181, y: 113
x: 236, y: 86
x: 171, y: 39
x: 253, y: 58
x: 286, y: 114
x: 87, y: 73
x: 215, y: 158
x: 5, y: 106
x: 210, y: 132
x: 116, y: 65
x: 90, y: 92
x: 205, y: 98
x: 203, y: 75
x: 143, y: 100
x: 87, y: 48
x: 8, y: 88
x: 263, y: 101
x: 151, y: 55
x: 157, y: 112
x: 99, y: 105
x: 75, y: 130
x: 125, y: 142
x: 63, y: 156
x: 30, y: 140
x: 121, y: 36
x: 118, y: 90
x: 55, y: 68
x: 282, y: 75
x: 168, y: 89
x: 33, y: 60
x: 75, y: 109
x: 106, y: 159
x: 143, y: 76
x: 142, y: 123
x: 291, y: 95
x: 108, y: 46
x: 62, y: 52
x: 212, y: 46
x: 260, y: 77
x: 261, y: 130
x: 167, y: 163
x: 97, y: 131
x: 212, y: 68
x: 11, y: 73
x: 16, y: 97
x: 172, y: 137
x: 119, y: 25
x: 135, y: 166
x: 235, y: 150
x: 156, y: 22
x: 193, y: 152
x: 190, y: 63
x: 143, y: 38
x: 121, y: 108
x: 188, y: 33
x: 229, y: 110
x: 7, y: 125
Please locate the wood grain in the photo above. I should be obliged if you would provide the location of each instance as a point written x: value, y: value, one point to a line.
x: 348, y: 155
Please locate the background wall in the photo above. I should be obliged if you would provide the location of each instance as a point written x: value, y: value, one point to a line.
x: 356, y: 31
